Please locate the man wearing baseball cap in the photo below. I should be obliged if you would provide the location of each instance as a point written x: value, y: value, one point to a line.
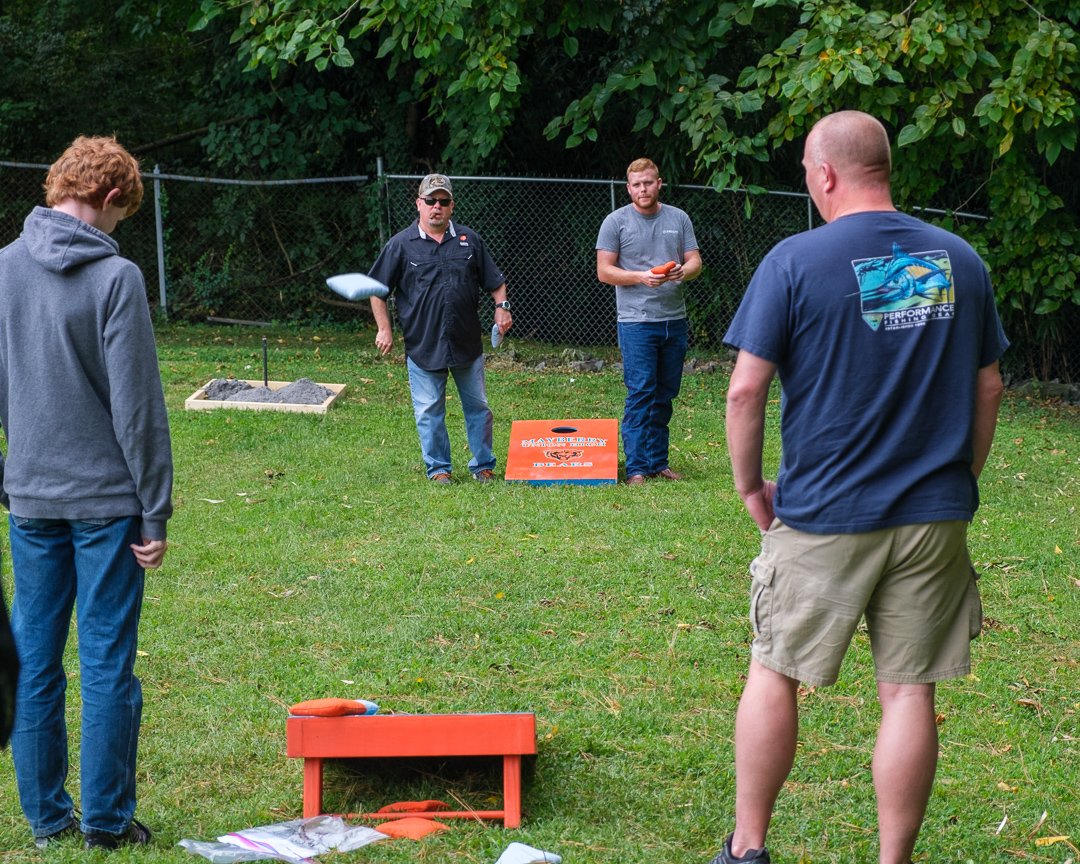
x: 438, y: 273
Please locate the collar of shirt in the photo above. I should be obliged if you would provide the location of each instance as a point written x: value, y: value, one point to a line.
x: 449, y: 229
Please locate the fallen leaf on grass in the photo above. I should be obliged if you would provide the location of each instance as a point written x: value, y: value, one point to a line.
x: 1029, y: 703
x: 1050, y: 841
x: 213, y: 500
x: 1005, y: 787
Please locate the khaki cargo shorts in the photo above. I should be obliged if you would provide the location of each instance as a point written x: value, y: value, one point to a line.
x: 914, y: 584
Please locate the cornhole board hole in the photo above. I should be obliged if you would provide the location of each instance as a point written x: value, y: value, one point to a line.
x: 197, y: 401
x: 510, y: 736
x: 550, y: 452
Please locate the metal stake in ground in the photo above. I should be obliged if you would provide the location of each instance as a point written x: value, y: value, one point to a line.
x: 266, y: 374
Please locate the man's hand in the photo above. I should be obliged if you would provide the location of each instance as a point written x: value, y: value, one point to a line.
x: 759, y: 505
x: 504, y: 320
x: 653, y: 280
x: 150, y: 554
x: 384, y: 341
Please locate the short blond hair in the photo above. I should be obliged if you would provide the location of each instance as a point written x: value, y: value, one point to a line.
x: 642, y: 164
x: 90, y: 169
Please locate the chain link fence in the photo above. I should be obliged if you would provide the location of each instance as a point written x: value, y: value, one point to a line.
x: 255, y: 252
x: 542, y: 234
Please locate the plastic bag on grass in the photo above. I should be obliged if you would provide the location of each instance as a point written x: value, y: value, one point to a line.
x: 297, y: 841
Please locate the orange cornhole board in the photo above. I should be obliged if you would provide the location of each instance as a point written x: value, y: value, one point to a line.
x: 548, y: 452
x: 510, y: 736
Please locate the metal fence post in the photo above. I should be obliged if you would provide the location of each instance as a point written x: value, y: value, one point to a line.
x: 385, y: 209
x: 163, y: 307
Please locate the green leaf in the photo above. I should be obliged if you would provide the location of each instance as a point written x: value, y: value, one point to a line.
x: 863, y: 74
x: 909, y: 135
x: 570, y: 46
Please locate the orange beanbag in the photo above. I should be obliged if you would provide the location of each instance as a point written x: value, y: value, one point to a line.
x: 411, y: 827
x: 429, y: 806
x: 331, y: 707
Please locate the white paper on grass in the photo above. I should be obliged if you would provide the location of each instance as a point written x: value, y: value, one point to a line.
x: 519, y: 853
x: 357, y: 286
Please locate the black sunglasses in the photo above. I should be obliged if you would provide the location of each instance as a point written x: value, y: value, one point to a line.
x: 442, y: 202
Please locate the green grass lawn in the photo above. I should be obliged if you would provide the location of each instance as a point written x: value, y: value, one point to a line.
x: 310, y: 557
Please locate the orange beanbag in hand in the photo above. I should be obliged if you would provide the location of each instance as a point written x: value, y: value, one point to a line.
x: 663, y: 269
x: 411, y: 827
x: 332, y: 707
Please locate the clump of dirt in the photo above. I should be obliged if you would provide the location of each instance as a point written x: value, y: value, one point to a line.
x: 302, y: 391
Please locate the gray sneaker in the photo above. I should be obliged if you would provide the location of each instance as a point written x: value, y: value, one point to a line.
x: 751, y: 856
x: 68, y: 831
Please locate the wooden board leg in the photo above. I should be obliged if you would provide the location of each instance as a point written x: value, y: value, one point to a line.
x: 512, y: 791
x: 312, y: 787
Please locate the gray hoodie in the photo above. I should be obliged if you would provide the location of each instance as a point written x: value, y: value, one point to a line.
x: 80, y: 392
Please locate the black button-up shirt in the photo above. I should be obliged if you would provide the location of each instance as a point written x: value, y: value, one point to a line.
x: 436, y: 288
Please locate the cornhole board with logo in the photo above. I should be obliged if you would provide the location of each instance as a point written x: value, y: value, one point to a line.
x: 550, y: 452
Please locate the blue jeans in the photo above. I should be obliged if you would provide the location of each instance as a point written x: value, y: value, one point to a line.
x: 653, y: 354
x: 87, y: 565
x: 429, y: 408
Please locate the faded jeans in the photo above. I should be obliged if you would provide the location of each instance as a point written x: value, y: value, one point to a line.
x: 429, y: 408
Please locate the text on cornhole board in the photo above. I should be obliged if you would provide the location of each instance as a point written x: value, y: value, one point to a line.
x: 547, y: 452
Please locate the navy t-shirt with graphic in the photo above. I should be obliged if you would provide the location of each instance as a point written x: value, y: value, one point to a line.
x: 878, y: 324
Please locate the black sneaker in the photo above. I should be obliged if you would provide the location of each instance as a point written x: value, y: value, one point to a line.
x: 68, y: 831
x: 751, y: 856
x: 136, y: 834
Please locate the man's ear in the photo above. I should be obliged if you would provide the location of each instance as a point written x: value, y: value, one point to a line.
x: 111, y: 198
x: 828, y: 176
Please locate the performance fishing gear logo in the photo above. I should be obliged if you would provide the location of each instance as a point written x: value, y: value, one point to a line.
x: 905, y: 290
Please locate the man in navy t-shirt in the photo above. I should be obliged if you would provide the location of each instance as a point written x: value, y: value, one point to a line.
x: 883, y: 332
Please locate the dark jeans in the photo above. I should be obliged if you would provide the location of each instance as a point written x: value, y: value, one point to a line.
x: 653, y: 354
x: 87, y: 566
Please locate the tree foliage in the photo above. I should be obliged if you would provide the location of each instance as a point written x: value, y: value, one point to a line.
x: 980, y: 95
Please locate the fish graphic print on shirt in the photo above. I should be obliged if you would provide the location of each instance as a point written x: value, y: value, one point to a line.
x: 906, y: 289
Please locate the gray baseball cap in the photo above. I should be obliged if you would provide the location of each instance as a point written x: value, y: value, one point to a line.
x: 433, y: 182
